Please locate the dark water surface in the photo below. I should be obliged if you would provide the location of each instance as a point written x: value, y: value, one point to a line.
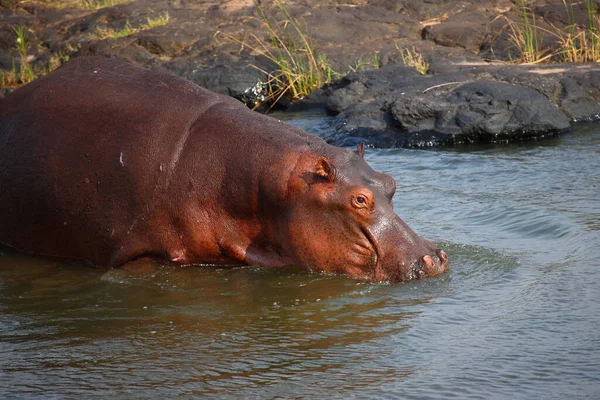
x: 518, y: 315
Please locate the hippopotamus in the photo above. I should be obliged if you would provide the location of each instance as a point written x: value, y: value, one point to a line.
x: 110, y: 163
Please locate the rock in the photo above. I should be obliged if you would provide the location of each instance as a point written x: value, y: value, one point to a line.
x: 232, y: 80
x: 393, y: 107
x: 467, y: 30
x: 478, y: 112
x: 164, y: 45
x: 217, y: 44
x: 580, y: 95
x: 357, y: 87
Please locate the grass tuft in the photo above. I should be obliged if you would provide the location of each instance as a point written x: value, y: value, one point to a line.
x: 109, y: 33
x: 580, y: 44
x: 83, y: 4
x: 300, y: 69
x: 127, y: 30
x: 575, y: 43
x: 24, y: 74
x: 97, y: 4
x: 526, y: 38
x: 161, y: 20
x: 57, y: 59
x: 364, y: 64
x: 414, y: 59
x: 10, y: 78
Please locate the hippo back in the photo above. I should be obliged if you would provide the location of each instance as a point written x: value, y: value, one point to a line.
x: 89, y: 153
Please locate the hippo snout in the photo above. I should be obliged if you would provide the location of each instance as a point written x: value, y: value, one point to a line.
x: 432, y: 265
x: 406, y: 256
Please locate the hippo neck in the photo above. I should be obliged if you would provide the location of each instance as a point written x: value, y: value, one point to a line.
x: 244, y: 178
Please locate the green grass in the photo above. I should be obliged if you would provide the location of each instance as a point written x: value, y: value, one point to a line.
x: 580, y: 44
x: 364, y: 64
x: 97, y: 4
x: 108, y: 33
x: 128, y: 30
x: 574, y: 43
x: 83, y: 4
x: 57, y: 59
x: 300, y: 69
x: 525, y: 37
x: 161, y: 20
x: 24, y: 74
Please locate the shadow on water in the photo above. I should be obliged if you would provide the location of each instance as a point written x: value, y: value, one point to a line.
x: 220, y: 329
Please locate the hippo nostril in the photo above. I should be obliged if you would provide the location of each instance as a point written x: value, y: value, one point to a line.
x: 428, y: 260
x: 443, y: 256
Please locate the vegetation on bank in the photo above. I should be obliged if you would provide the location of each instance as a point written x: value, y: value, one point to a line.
x: 23, y: 72
x: 366, y: 63
x: 127, y: 30
x: 300, y: 69
x: 62, y: 4
x: 574, y: 43
x: 413, y: 59
x: 84, y: 4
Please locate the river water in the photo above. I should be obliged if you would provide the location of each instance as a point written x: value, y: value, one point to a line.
x: 517, y: 315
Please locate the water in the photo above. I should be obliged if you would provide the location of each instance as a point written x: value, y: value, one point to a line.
x: 517, y: 316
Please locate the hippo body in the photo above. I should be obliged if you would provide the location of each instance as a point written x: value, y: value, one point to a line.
x: 107, y: 162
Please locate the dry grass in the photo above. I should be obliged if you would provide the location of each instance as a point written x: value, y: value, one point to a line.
x: 580, y: 44
x: 127, y: 30
x: 10, y: 78
x: 434, y: 21
x: 300, y: 69
x: 413, y: 59
x: 575, y: 43
x: 364, y: 64
x: 109, y: 33
x: 161, y: 20
x: 57, y: 59
x: 22, y: 72
x: 83, y: 4
x: 526, y: 37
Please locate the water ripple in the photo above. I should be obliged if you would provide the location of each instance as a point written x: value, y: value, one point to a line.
x: 516, y: 316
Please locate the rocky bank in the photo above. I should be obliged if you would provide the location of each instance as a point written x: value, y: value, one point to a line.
x: 470, y: 93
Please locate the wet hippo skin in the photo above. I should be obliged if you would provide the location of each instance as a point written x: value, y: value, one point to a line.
x: 107, y: 162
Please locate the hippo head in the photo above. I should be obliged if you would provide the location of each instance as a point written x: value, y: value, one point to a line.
x: 342, y: 221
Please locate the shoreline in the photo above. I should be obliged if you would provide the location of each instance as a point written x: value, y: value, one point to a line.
x: 469, y: 92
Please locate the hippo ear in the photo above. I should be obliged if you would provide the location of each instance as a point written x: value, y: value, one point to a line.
x: 360, y: 150
x: 324, y: 169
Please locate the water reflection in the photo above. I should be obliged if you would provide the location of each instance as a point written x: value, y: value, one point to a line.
x: 219, y: 328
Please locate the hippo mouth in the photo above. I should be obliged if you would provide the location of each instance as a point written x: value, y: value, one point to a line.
x: 377, y: 270
x: 419, y: 268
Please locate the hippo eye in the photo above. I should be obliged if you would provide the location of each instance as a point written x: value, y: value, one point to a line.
x: 360, y: 201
